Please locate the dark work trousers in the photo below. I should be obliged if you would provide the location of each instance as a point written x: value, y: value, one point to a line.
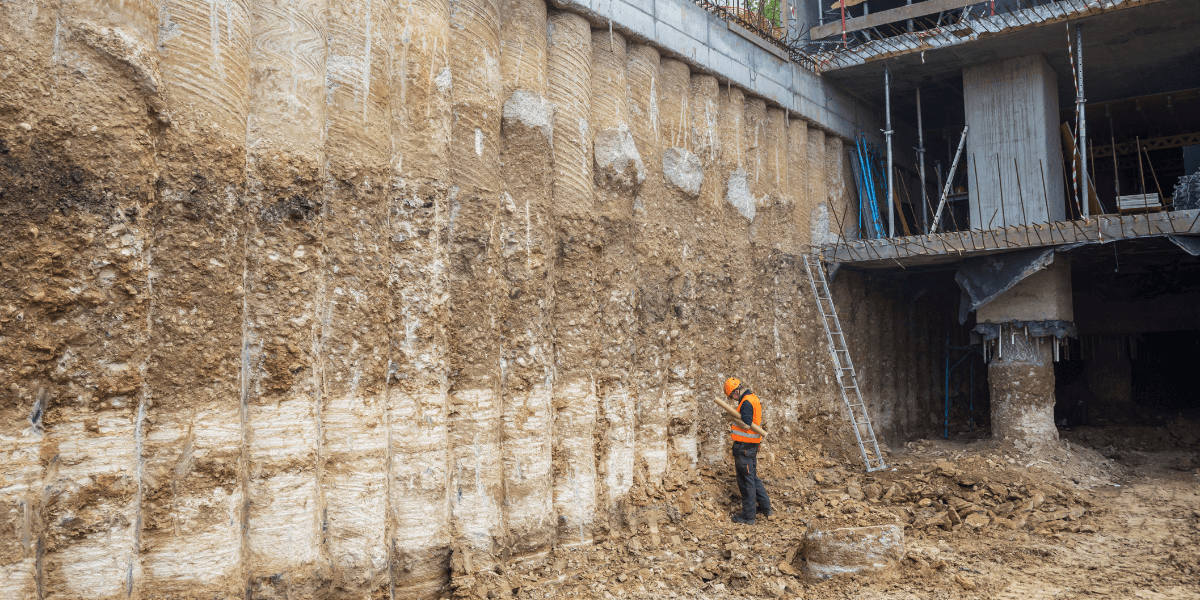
x: 754, y: 494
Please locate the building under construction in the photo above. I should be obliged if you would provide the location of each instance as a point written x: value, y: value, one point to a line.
x: 429, y: 298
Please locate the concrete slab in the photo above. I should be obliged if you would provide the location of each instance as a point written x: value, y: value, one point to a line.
x: 950, y: 247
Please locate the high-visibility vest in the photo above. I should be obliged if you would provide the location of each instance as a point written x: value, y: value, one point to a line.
x: 748, y: 435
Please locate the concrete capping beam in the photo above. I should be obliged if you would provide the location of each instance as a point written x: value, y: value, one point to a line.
x: 758, y: 41
x: 683, y: 30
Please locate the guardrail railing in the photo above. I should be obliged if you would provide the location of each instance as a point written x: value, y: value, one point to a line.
x: 767, y: 19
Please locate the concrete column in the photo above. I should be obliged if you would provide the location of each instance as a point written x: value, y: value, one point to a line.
x: 1021, y: 373
x: 1012, y: 112
x: 1021, y: 380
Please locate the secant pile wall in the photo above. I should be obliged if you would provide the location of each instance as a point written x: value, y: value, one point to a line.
x: 299, y: 297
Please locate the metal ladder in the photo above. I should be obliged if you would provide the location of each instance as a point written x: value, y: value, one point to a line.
x: 843, y: 367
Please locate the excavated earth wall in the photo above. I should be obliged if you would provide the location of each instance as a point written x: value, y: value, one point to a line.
x: 300, y: 298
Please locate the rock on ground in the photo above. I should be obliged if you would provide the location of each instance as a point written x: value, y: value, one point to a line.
x: 825, y: 553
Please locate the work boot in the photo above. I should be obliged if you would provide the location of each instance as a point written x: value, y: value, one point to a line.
x: 742, y: 520
x: 766, y: 514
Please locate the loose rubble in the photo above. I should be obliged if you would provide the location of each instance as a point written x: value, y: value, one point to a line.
x: 964, y: 512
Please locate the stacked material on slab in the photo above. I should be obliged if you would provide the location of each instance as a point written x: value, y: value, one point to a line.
x: 1138, y: 201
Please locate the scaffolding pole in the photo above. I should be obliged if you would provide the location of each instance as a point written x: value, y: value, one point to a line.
x: 887, y: 100
x: 921, y: 164
x: 1080, y: 107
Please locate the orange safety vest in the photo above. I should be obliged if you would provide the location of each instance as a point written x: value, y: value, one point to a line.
x: 748, y: 435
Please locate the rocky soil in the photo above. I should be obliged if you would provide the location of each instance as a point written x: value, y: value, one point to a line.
x: 981, y: 520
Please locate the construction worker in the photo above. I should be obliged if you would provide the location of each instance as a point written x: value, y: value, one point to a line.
x: 745, y: 452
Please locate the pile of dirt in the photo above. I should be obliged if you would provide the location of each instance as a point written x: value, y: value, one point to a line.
x: 677, y: 541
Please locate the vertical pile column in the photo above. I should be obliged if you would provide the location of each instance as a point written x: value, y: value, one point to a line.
x: 354, y: 339
x: 706, y: 139
x: 525, y: 296
x: 821, y: 221
x: 473, y: 333
x: 837, y: 191
x: 653, y: 298
x: 809, y: 349
x: 797, y: 183
x: 569, y: 88
x: 684, y: 175
x: 774, y: 251
x: 194, y: 431
x: 284, y: 293
x: 755, y: 204
x: 75, y: 301
x: 775, y: 232
x: 418, y: 212
x: 698, y: 288
x: 619, y: 173
x: 754, y: 136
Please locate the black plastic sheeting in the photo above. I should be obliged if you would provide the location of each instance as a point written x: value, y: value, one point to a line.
x: 1191, y: 245
x: 1056, y: 328
x: 983, y: 278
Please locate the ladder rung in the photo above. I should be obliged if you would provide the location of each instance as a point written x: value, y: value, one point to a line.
x: 833, y: 327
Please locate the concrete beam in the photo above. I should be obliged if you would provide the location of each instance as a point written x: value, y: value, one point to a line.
x: 684, y: 30
x: 1043, y: 296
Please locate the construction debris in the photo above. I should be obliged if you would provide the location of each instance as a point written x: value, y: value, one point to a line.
x: 826, y: 553
x: 948, y: 519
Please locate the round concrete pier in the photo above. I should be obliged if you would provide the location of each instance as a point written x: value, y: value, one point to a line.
x: 1021, y: 380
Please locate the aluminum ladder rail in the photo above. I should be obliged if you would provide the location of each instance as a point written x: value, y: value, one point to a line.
x: 843, y: 367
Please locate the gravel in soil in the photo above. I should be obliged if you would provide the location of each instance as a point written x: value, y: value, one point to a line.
x: 982, y: 519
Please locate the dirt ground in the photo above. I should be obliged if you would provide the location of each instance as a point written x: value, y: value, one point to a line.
x: 1106, y: 512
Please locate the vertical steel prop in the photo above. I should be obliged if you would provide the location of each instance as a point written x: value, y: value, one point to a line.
x: 887, y: 98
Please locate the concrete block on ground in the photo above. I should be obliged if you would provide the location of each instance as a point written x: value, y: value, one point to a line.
x: 825, y: 553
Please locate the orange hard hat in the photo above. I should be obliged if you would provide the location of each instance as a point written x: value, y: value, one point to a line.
x: 731, y: 384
